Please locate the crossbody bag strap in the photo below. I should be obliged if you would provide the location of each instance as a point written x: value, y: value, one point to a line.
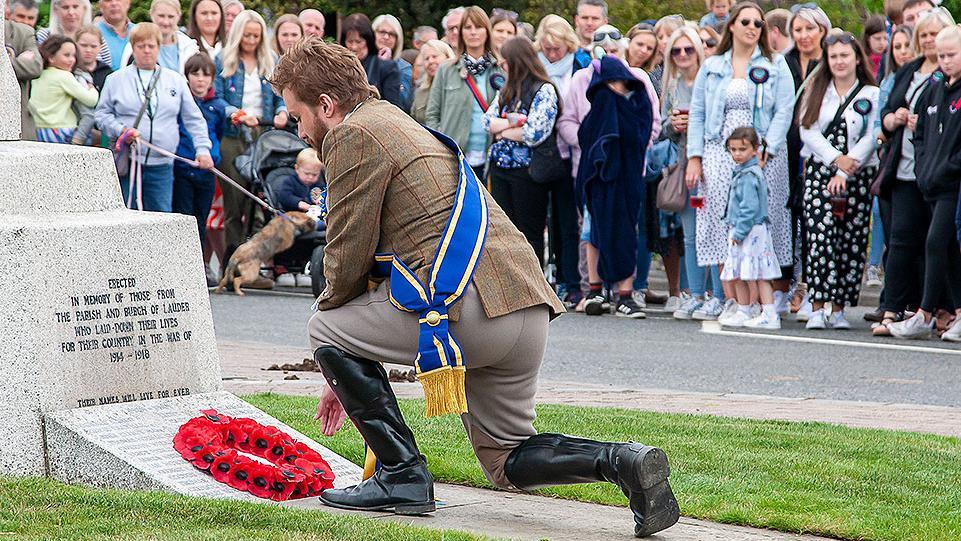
x: 150, y: 89
x: 840, y: 113
x: 472, y: 84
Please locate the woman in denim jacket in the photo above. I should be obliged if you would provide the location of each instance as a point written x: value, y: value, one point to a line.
x: 745, y: 84
x: 243, y: 67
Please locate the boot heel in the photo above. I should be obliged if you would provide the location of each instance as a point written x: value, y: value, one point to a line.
x: 415, y: 508
x: 654, y: 468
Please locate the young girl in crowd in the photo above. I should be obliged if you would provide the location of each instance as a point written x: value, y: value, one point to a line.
x: 720, y: 11
x: 53, y: 93
x: 751, y: 263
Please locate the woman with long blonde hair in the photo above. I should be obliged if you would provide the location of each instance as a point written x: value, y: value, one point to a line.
x: 67, y: 17
x: 242, y: 69
x: 433, y: 54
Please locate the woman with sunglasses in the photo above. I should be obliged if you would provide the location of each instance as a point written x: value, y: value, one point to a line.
x: 937, y: 142
x: 503, y: 28
x: 684, y: 59
x: 663, y: 29
x: 838, y: 108
x: 709, y: 40
x: 745, y: 84
x: 909, y: 213
x: 462, y: 90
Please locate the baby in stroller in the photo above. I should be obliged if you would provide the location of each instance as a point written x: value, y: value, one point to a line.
x: 303, y: 188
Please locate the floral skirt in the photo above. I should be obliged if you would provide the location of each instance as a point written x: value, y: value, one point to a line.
x: 753, y: 259
x: 55, y: 135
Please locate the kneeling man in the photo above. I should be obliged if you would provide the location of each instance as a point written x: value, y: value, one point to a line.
x: 461, y: 297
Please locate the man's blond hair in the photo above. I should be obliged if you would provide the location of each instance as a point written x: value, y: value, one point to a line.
x: 312, y: 67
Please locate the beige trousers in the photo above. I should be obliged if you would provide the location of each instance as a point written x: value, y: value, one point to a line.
x: 503, y: 356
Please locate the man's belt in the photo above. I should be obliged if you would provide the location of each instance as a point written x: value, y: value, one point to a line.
x: 440, y: 364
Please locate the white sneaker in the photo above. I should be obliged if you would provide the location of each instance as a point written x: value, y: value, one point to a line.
x: 838, y: 321
x: 672, y: 304
x: 730, y: 308
x: 756, y: 310
x: 688, y: 307
x: 805, y: 312
x: 913, y: 328
x: 709, y: 310
x: 639, y: 299
x: 816, y: 321
x: 736, y: 320
x: 874, y: 277
x: 766, y: 321
x: 782, y: 303
x: 287, y: 280
x: 953, y: 334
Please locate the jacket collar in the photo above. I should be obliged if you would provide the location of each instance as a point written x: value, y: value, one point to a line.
x: 723, y: 64
x: 753, y: 162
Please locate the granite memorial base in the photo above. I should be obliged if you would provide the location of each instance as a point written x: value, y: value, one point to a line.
x: 129, y: 446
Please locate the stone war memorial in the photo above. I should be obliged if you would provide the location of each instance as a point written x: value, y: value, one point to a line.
x: 108, y: 339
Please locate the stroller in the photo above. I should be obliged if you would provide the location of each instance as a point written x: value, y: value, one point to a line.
x: 272, y: 157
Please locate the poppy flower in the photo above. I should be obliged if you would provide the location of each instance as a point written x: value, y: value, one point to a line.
x: 214, y: 416
x: 223, y: 463
x: 262, y: 440
x: 205, y: 457
x: 190, y: 446
x: 261, y: 480
x: 285, y: 483
x: 239, y: 430
x: 306, y: 452
x: 240, y: 473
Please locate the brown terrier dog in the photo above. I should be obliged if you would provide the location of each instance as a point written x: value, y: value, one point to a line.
x: 275, y: 237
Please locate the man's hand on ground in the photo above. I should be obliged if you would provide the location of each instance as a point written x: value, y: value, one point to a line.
x: 330, y: 412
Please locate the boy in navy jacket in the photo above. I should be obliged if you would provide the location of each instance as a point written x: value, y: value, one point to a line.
x: 194, y: 188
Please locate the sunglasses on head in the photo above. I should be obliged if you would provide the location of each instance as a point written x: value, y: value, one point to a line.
x: 688, y: 51
x: 846, y: 38
x: 613, y: 35
x: 758, y: 23
x: 798, y: 7
x: 511, y: 15
x: 709, y: 42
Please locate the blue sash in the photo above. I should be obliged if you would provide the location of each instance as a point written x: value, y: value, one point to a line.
x: 440, y: 363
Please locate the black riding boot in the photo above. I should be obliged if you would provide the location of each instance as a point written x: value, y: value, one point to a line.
x: 641, y: 472
x: 402, y: 483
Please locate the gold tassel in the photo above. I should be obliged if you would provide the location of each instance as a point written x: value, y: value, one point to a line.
x: 444, y: 391
x: 370, y: 463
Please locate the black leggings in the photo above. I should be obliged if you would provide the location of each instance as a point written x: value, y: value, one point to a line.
x: 904, y: 268
x: 942, y: 273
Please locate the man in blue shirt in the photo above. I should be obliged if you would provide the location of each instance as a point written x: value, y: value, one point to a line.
x: 115, y: 28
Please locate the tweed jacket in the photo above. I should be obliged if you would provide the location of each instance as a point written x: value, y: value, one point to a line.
x: 19, y: 38
x: 391, y: 188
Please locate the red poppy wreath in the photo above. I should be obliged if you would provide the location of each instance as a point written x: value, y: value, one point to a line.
x: 216, y: 444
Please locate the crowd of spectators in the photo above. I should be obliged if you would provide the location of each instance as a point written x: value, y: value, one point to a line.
x: 775, y: 164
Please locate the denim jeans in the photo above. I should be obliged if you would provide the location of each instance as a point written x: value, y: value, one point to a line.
x: 877, y: 235
x: 193, y: 195
x: 158, y: 188
x: 697, y: 276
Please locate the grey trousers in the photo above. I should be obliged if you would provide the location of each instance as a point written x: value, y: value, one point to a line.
x: 503, y: 356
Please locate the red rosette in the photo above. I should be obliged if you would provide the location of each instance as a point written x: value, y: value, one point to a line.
x: 238, y: 431
x: 282, y: 451
x: 285, y: 483
x: 190, y: 445
x: 206, y: 457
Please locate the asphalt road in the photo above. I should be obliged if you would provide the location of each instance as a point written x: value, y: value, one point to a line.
x: 662, y: 353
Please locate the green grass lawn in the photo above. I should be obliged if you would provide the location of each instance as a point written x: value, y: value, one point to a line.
x: 797, y: 477
x: 43, y: 510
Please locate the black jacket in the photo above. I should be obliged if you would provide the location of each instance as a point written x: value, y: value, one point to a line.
x: 937, y: 141
x: 795, y: 174
x: 99, y: 74
x: 385, y: 75
x: 898, y: 98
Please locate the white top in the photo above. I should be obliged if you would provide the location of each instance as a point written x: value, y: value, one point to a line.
x: 861, y: 141
x: 906, y: 163
x: 253, y: 103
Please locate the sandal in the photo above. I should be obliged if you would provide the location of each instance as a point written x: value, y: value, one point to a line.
x: 881, y: 329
